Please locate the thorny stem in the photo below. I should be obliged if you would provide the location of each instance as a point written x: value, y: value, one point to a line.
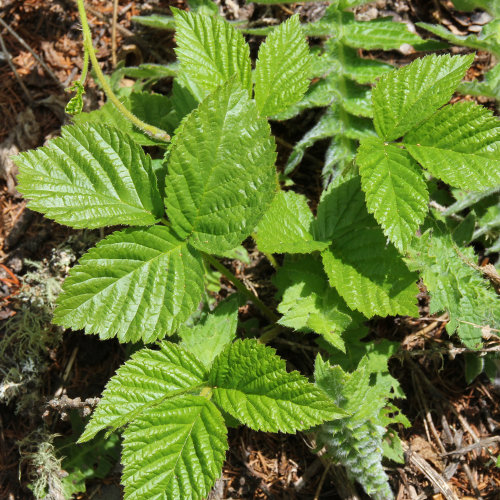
x: 151, y: 130
x: 241, y: 287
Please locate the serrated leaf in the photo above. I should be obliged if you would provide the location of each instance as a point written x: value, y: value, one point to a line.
x: 395, y: 190
x: 380, y: 33
x: 221, y: 171
x: 356, y: 99
x: 470, y: 199
x: 369, y: 274
x: 460, y: 145
x: 145, y: 380
x: 174, y: 450
x: 250, y: 382
x: 404, y: 98
x: 135, y: 284
x: 211, y: 51
x: 472, y: 41
x: 455, y: 287
x: 282, y: 68
x: 154, y: 109
x: 356, y: 68
x: 286, y: 226
x: 209, y: 337
x: 92, y: 176
x: 308, y: 303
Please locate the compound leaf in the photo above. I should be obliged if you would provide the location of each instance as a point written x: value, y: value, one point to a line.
x: 408, y: 96
x: 250, y: 382
x: 146, y: 379
x: 135, y: 284
x: 369, y: 274
x: 395, y: 190
x: 460, y: 145
x: 286, y: 226
x: 221, y: 171
x: 211, y: 51
x: 282, y: 68
x: 92, y: 176
x: 208, y: 338
x: 174, y: 450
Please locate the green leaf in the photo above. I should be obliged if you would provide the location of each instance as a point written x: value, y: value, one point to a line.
x: 154, y: 109
x: 282, y: 68
x: 455, y: 287
x: 174, y: 450
x: 286, y: 226
x: 380, y: 33
x: 369, y: 274
x: 356, y: 99
x: 144, y: 381
x: 209, y: 337
x: 408, y: 96
x: 489, y: 86
x: 460, y: 145
x: 75, y: 104
x: 308, y: 303
x: 250, y: 382
x: 211, y: 51
x: 356, y: 68
x: 472, y: 41
x: 221, y: 171
x: 92, y: 176
x: 395, y: 190
x: 156, y: 21
x: 135, y: 285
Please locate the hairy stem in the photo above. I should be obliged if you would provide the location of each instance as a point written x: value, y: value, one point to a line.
x: 241, y: 287
x: 151, y: 130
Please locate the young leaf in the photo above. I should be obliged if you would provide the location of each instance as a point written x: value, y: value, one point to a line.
x: 405, y: 98
x: 395, y: 190
x: 308, y: 303
x: 460, y: 145
x: 250, y: 382
x: 221, y: 171
x: 286, y: 226
x: 209, y: 337
x: 282, y: 68
x: 174, y: 450
x: 211, y: 51
x: 145, y: 380
x: 135, y: 284
x: 92, y: 176
x: 369, y: 274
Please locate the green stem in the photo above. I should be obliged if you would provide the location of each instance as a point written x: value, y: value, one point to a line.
x: 151, y: 130
x: 270, y: 334
x: 85, y: 68
x: 241, y: 287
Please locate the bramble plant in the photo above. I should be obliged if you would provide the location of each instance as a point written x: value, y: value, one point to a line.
x: 359, y: 257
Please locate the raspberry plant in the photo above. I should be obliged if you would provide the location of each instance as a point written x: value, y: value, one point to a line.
x: 358, y: 257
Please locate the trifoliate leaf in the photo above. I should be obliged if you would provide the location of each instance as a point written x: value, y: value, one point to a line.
x: 92, y: 176
x: 460, y: 145
x: 286, y: 226
x: 366, y: 271
x: 135, y: 285
x: 404, y: 98
x: 308, y: 303
x: 282, y: 68
x: 250, y: 382
x: 395, y: 190
x: 209, y: 337
x: 145, y: 380
x: 221, y: 171
x: 174, y: 450
x: 211, y: 51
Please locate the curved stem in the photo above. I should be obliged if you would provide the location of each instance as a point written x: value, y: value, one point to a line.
x: 241, y: 287
x: 151, y: 130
